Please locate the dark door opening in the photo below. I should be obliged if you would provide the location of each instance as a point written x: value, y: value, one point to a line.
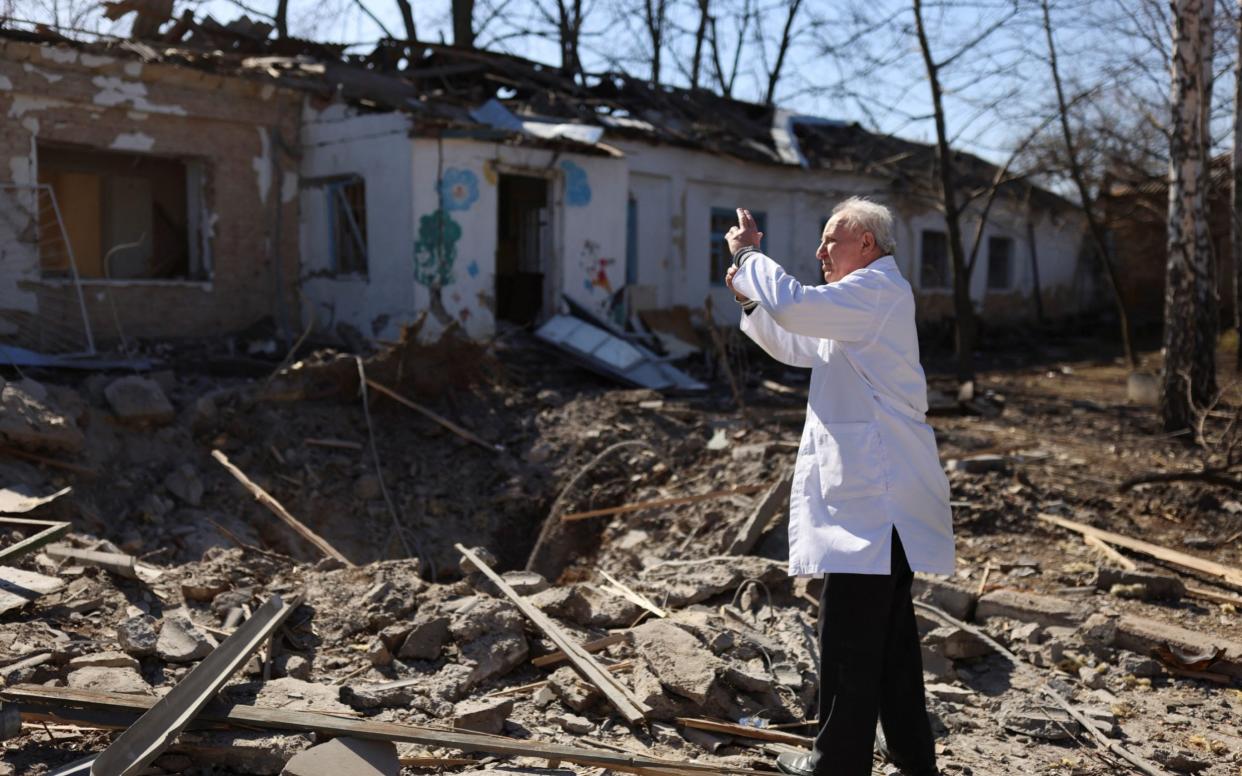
x: 521, y: 247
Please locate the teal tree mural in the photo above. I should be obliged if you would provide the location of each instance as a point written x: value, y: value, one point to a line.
x: 435, y: 249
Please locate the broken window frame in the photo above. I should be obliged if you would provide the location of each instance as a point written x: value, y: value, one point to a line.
x: 354, y: 221
x: 718, y: 257
x: 929, y: 280
x: 197, y: 265
x: 993, y: 282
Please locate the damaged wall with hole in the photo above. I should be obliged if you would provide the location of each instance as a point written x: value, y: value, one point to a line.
x: 464, y: 230
x: 174, y: 193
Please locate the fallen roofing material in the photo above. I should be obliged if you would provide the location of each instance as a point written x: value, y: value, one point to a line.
x: 633, y: 710
x: 608, y: 354
x: 49, y: 531
x: 105, y: 709
x: 143, y: 741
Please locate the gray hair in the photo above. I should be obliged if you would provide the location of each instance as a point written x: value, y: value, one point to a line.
x: 864, y: 215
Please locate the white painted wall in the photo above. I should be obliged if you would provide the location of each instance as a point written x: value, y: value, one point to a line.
x: 376, y: 147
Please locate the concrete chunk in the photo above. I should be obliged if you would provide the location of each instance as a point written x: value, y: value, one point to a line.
x: 346, y: 756
x: 482, y: 716
x: 684, y: 665
x: 953, y: 598
x: 1151, y: 585
x: 181, y: 642
x: 139, y: 401
x: 137, y: 635
x: 1142, y: 635
x: 1027, y: 607
x: 109, y: 679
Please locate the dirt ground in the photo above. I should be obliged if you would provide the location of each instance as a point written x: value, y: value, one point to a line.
x: 1063, y: 435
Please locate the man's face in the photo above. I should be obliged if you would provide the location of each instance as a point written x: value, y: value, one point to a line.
x: 842, y: 250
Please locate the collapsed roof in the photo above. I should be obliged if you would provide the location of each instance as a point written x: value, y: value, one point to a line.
x: 489, y: 95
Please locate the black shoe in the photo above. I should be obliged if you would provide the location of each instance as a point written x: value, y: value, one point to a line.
x: 795, y: 764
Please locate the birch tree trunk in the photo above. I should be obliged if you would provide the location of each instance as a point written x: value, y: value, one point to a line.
x: 1190, y: 309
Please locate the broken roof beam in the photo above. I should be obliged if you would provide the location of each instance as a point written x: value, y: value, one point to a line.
x: 1229, y: 574
x: 49, y: 531
x: 277, y: 509
x: 110, y: 709
x: 144, y: 740
x: 633, y: 710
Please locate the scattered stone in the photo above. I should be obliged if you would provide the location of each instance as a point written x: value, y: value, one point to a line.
x: 241, y: 752
x: 180, y: 641
x: 1027, y: 607
x: 950, y: 693
x: 294, y: 666
x: 484, y: 716
x: 747, y: 680
x: 377, y: 652
x: 1038, y: 721
x: 374, y: 696
x: 203, y: 588
x: 543, y: 696
x: 575, y: 694
x: 1092, y: 676
x: 109, y: 679
x: 936, y: 664
x: 30, y: 420
x: 956, y: 643
x: 703, y: 739
x: 426, y: 640
x: 137, y: 635
x: 684, y: 583
x: 139, y: 401
x: 1140, y: 665
x: 346, y: 757
x: 685, y: 667
x: 184, y: 483
x: 953, y: 598
x: 1028, y: 633
x: 19, y: 587
x: 572, y: 723
x: 103, y: 660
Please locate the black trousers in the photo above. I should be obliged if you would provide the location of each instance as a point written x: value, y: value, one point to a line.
x: 871, y: 667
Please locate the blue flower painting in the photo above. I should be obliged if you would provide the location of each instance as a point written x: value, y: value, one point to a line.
x: 577, y: 188
x: 459, y: 188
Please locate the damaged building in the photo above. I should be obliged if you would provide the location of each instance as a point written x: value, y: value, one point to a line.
x: 286, y: 180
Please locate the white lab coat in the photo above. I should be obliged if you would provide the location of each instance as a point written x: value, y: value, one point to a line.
x: 867, y: 461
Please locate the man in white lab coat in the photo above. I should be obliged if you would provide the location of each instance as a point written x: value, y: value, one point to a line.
x: 870, y: 502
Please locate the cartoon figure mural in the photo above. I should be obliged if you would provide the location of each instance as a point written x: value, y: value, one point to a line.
x: 435, y: 249
x: 577, y: 187
x: 595, y: 276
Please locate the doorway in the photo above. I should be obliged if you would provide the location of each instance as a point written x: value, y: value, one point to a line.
x: 523, y: 275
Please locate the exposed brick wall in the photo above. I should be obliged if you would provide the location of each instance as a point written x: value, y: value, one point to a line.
x: 58, y: 95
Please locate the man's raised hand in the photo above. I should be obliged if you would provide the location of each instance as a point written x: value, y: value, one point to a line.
x: 746, y: 233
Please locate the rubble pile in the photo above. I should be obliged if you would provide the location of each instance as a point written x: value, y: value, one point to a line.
x: 168, y: 555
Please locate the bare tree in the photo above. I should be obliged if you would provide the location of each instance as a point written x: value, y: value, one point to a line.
x: 463, y: 23
x: 963, y: 307
x: 700, y: 35
x: 655, y: 17
x: 1190, y: 310
x: 782, y: 50
x: 407, y: 19
x: 726, y: 83
x: 1094, y: 224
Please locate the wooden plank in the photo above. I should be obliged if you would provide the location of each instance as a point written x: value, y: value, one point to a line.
x: 558, y: 656
x: 120, y: 564
x: 68, y: 704
x: 632, y: 596
x: 633, y: 710
x: 272, y: 504
x: 742, y: 490
x: 1213, y: 596
x: 745, y: 731
x: 762, y: 514
x: 1228, y: 573
x: 623, y: 665
x: 1107, y: 550
x: 450, y: 425
x: 48, y: 531
x: 340, y: 444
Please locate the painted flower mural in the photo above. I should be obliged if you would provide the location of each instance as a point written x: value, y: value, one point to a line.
x: 577, y: 187
x: 458, y: 189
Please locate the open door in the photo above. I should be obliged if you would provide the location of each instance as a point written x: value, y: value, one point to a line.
x: 523, y: 270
